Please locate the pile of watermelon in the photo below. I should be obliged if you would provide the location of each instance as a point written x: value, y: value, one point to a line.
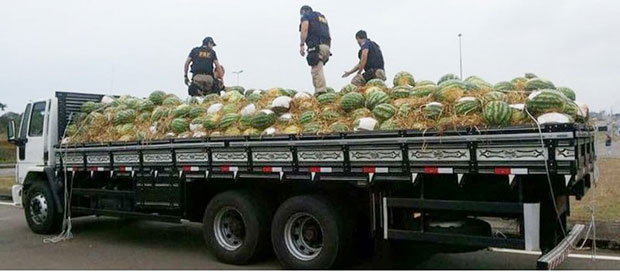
x: 451, y: 103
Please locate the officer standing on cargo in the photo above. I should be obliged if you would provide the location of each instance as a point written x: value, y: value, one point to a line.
x: 371, y: 61
x: 315, y: 33
x: 207, y: 73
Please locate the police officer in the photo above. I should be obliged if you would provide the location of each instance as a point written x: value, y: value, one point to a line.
x: 315, y: 34
x: 207, y: 73
x: 371, y: 61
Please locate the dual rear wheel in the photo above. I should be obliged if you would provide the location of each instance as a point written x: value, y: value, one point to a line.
x: 306, y: 232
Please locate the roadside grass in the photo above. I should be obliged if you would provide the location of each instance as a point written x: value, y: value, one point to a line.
x: 606, y: 194
x: 7, y: 151
x: 6, y: 182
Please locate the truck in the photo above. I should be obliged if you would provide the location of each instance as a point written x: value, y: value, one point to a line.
x: 316, y: 201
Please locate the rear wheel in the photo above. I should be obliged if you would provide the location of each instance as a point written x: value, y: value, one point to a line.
x: 236, y: 227
x: 42, y: 215
x: 309, y: 233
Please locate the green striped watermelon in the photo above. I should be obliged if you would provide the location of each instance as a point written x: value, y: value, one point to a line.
x: 311, y: 128
x: 182, y: 110
x: 157, y: 97
x: 376, y: 82
x: 124, y: 117
x: 292, y: 129
x: 360, y: 113
x: 171, y: 100
x: 496, y: 113
x: 88, y: 107
x: 339, y: 127
x: 197, y: 111
x: 307, y: 117
x: 327, y: 98
x: 479, y: 82
x: 384, y: 111
x: 495, y: 96
x: 424, y: 83
x: 450, y: 91
x: 402, y: 91
x: 227, y: 120
x: 230, y: 108
x: 424, y: 90
x: 348, y: 88
x: 255, y: 96
x: 179, y: 125
x: 447, y: 77
x: 432, y: 110
x: 232, y: 131
x: 503, y: 86
x: 330, y: 115
x: 518, y: 115
x: 403, y: 78
x: 374, y: 98
x: 251, y: 132
x: 160, y: 112
x: 352, y: 101
x: 467, y: 105
x: 545, y: 101
x: 263, y: 119
x: 404, y: 110
x: 568, y: 92
x: 211, y: 121
x: 389, y: 125
x: 538, y: 84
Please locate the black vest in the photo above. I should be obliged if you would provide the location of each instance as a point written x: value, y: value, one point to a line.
x: 318, y: 30
x: 375, y: 57
x: 202, y: 61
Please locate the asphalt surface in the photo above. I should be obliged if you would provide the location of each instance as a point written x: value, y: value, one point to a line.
x: 109, y: 243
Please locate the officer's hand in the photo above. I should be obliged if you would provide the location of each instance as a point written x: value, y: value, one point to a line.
x: 346, y: 74
x: 186, y: 80
x: 302, y: 50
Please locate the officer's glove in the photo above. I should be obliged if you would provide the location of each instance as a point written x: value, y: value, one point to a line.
x: 186, y: 80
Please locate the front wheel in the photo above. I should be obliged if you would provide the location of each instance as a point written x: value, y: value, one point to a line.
x: 42, y: 215
x: 308, y: 232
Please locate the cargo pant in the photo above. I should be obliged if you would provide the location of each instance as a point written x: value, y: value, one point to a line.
x: 361, y: 79
x: 318, y: 77
x: 203, y: 84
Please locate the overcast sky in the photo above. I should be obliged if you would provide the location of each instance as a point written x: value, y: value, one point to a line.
x: 135, y: 47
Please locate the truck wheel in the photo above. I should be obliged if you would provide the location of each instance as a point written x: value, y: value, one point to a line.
x: 308, y: 233
x: 236, y: 227
x: 42, y: 215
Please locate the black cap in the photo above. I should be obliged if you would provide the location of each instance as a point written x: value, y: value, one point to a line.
x: 305, y: 8
x: 208, y: 40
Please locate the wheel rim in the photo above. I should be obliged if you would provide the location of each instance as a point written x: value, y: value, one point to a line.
x: 303, y: 236
x: 38, y: 209
x: 229, y: 228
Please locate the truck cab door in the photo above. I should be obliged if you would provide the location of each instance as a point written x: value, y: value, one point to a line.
x: 31, y: 139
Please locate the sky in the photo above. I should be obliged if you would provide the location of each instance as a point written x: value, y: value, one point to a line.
x: 135, y: 47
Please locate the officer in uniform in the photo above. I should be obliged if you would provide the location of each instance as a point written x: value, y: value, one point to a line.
x: 315, y: 34
x: 207, y: 73
x: 371, y: 61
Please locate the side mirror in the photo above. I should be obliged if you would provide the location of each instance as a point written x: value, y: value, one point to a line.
x: 10, y: 132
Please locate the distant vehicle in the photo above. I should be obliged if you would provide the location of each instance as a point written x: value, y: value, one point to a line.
x: 315, y: 200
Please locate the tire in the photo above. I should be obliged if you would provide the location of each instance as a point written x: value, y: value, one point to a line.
x: 236, y: 227
x: 320, y: 219
x: 42, y: 215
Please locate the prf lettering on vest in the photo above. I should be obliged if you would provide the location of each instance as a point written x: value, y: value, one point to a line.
x: 204, y: 54
x: 322, y: 19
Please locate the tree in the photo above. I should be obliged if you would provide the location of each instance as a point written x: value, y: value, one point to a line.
x: 2, y: 106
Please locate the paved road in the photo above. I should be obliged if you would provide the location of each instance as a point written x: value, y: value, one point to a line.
x: 108, y: 243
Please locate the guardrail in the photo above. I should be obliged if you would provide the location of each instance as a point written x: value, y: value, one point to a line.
x: 7, y: 165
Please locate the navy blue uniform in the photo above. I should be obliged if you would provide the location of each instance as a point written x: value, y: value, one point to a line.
x: 318, y: 29
x: 375, y: 57
x: 202, y: 60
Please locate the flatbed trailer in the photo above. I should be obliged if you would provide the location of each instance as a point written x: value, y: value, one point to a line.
x: 315, y: 198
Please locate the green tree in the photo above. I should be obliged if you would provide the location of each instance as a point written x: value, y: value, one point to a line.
x: 2, y: 106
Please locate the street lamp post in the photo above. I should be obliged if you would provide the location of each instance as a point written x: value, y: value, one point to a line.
x: 460, y: 57
x: 237, y: 73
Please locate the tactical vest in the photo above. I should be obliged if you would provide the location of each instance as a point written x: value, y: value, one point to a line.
x: 202, y: 62
x: 375, y: 57
x: 318, y: 30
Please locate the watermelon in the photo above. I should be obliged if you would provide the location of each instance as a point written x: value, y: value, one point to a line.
x: 182, y: 110
x: 160, y: 112
x: 496, y: 113
x: 211, y: 98
x: 568, y: 92
x: 281, y: 104
x: 424, y: 90
x: 232, y: 97
x: 246, y: 120
x: 447, y: 77
x: 545, y: 101
x: 146, y: 105
x: 339, y: 127
x: 251, y: 132
x: 88, y: 107
x: 389, y: 125
x: 171, y: 100
x: 432, y: 110
x: 124, y: 117
x: 330, y: 90
x: 312, y: 128
x: 376, y: 83
x: 211, y: 121
x: 518, y: 80
x: 348, y: 88
x: 179, y: 125
x: 330, y: 115
x: 290, y: 92
x: 196, y: 111
x: 538, y: 84
x: 360, y: 113
x: 143, y: 117
x: 263, y: 119
x: 157, y: 97
x: 255, y: 96
x: 374, y: 98
x: 384, y: 111
x: 479, y: 82
x: 124, y: 129
x: 232, y: 131
x: 495, y: 96
x: 571, y: 109
x: 403, y: 78
x: 230, y: 108
x: 518, y: 115
x: 307, y: 117
x: 227, y: 120
x: 503, y: 86
x: 402, y: 91
x: 450, y: 91
x: 404, y: 110
x: 467, y: 105
x: 327, y: 98
x: 352, y: 101
x: 235, y: 88
x: 424, y: 83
